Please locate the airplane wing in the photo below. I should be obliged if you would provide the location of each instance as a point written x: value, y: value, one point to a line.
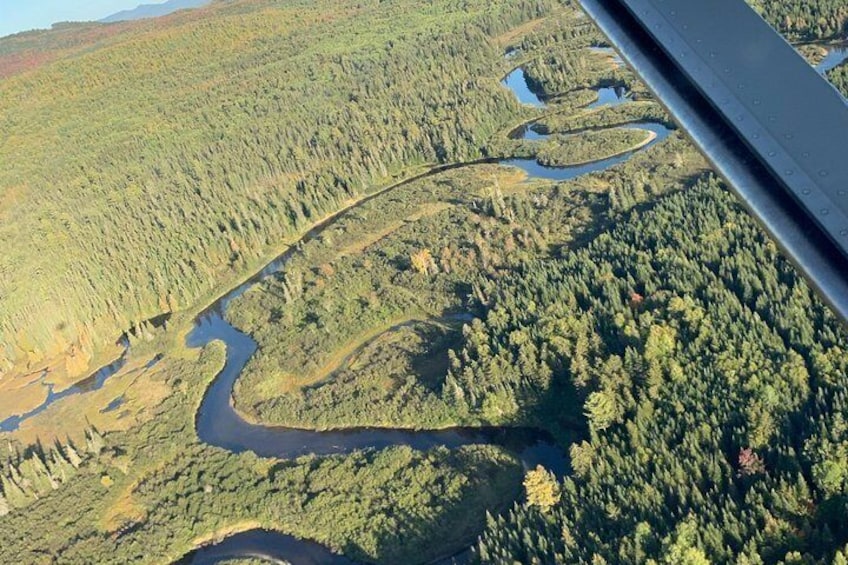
x: 767, y: 121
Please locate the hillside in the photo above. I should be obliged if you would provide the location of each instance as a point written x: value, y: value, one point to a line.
x: 393, y: 334
x: 146, y: 163
x: 161, y: 157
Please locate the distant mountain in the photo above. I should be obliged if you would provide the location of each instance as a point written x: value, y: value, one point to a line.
x: 153, y: 10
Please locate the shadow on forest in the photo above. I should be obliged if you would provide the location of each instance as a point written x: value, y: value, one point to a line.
x: 418, y: 530
x: 430, y: 366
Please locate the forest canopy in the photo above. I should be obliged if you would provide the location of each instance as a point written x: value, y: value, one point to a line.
x: 636, y: 317
x: 137, y: 174
x: 806, y: 20
x: 715, y: 386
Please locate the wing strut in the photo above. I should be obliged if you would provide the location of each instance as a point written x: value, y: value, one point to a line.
x: 767, y: 121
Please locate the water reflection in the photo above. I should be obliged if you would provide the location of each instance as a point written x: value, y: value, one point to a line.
x: 835, y: 57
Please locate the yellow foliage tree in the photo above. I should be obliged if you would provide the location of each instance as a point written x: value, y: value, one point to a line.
x: 422, y: 261
x: 542, y: 487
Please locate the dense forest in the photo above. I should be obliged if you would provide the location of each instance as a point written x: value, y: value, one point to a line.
x: 806, y: 20
x: 639, y: 309
x: 128, y: 191
x: 714, y: 385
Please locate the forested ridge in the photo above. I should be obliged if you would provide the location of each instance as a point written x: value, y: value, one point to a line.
x: 714, y: 385
x: 136, y: 172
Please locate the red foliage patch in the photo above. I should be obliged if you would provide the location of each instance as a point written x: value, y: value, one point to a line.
x: 15, y: 63
x: 28, y: 51
x: 750, y: 463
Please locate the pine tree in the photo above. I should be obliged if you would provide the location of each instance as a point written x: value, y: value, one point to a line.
x: 73, y: 457
x: 15, y: 495
x: 94, y: 441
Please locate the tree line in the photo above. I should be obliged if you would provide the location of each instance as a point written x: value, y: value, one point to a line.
x: 26, y: 477
x: 806, y: 20
x: 839, y: 77
x: 146, y: 168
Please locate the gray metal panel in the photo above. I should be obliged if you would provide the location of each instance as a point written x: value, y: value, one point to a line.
x: 795, y: 121
x: 817, y: 256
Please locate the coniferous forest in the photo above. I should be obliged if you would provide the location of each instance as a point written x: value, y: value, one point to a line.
x: 714, y: 387
x: 839, y: 77
x: 136, y: 173
x: 629, y: 321
x: 806, y: 20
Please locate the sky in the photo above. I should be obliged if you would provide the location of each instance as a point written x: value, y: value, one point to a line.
x: 23, y: 15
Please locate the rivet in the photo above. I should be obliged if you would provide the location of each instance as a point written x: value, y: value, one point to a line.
x: 805, y: 154
x: 757, y: 102
x: 772, y: 153
x: 789, y: 172
x: 823, y: 173
x: 788, y: 136
x: 806, y: 191
x: 844, y: 233
x: 825, y: 211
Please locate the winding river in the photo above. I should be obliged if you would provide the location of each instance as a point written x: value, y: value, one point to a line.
x: 836, y: 55
x: 220, y: 425
x: 240, y: 347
